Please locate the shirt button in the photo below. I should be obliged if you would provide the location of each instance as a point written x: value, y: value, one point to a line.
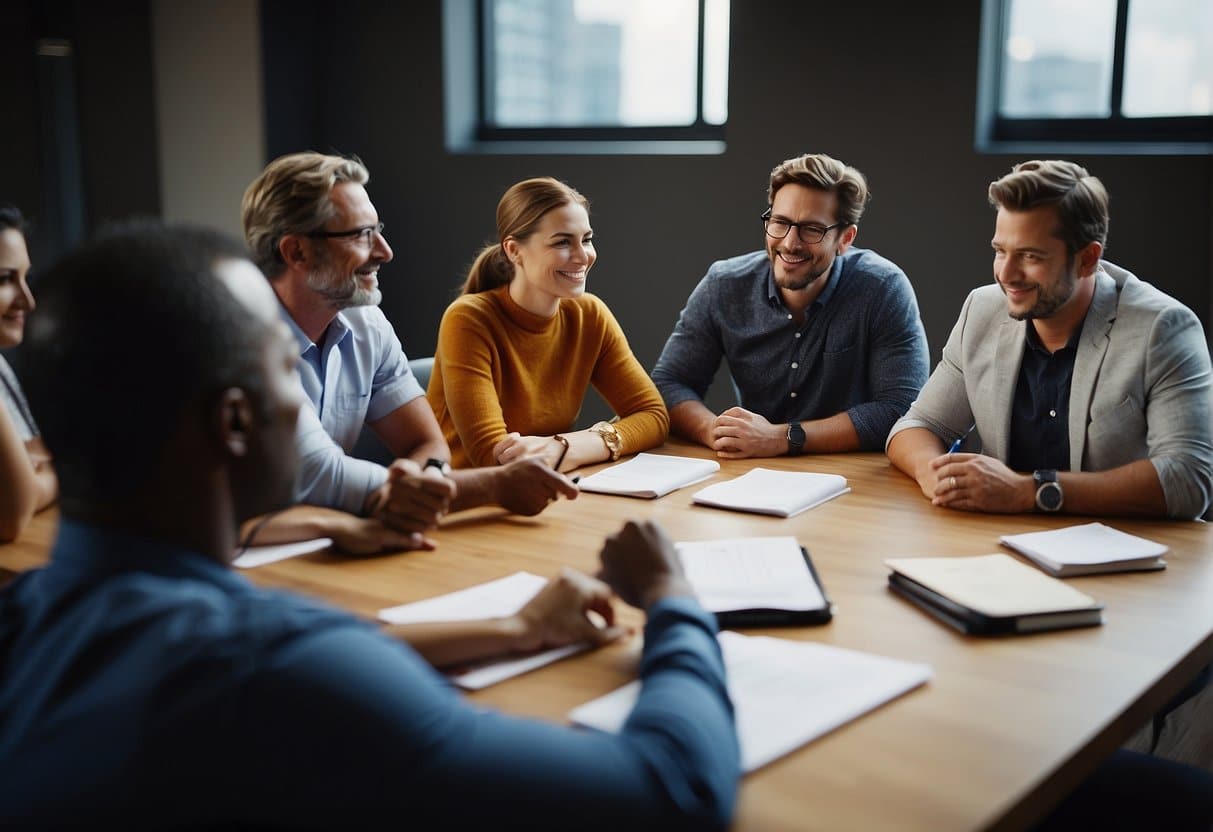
x: 789, y: 316
x: 797, y: 334
x: 795, y: 364
x: 793, y: 394
x: 1053, y: 413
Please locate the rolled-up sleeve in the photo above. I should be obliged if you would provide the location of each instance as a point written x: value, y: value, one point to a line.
x: 327, y: 476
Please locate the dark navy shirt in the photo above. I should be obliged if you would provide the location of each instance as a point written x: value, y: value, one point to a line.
x: 144, y: 685
x: 861, y: 348
x: 1040, y: 413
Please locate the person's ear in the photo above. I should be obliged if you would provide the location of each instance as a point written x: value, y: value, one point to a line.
x: 234, y: 418
x: 1088, y: 258
x: 293, y: 250
x: 512, y: 250
x: 846, y: 238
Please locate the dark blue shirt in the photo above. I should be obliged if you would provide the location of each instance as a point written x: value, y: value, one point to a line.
x: 1040, y: 413
x: 861, y: 348
x: 141, y: 684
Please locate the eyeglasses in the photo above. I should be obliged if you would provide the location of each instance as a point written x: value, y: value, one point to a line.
x: 809, y: 232
x: 365, y: 234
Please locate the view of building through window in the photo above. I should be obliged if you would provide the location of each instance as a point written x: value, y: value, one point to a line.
x: 605, y: 63
x: 1058, y: 59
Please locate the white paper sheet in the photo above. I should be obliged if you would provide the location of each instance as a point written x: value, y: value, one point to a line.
x: 261, y: 555
x: 650, y: 475
x: 750, y: 573
x: 494, y: 599
x: 786, y: 693
x: 765, y: 491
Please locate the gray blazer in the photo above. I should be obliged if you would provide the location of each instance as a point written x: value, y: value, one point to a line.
x: 1141, y: 386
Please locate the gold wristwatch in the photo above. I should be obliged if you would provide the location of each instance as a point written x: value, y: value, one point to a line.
x: 610, y: 438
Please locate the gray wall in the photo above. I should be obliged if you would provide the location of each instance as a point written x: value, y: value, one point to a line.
x: 887, y: 87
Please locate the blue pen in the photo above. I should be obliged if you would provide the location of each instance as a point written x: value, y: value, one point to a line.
x: 960, y: 440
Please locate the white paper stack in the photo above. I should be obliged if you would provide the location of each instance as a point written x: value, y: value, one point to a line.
x: 650, y: 475
x: 782, y: 493
x: 1088, y: 549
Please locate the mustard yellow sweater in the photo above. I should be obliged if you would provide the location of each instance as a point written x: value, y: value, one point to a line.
x: 500, y: 368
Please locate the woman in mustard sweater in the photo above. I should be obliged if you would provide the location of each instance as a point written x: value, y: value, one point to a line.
x: 518, y: 348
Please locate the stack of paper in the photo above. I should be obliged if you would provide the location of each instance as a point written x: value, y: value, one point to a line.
x: 782, y: 493
x: 650, y: 475
x: 495, y: 599
x: 991, y: 595
x: 786, y: 693
x: 755, y: 581
x: 1088, y: 549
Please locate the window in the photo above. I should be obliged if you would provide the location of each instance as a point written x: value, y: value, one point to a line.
x: 1096, y: 76
x: 592, y: 75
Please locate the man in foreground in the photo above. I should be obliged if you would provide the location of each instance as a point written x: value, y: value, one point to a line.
x: 1087, y: 389
x: 142, y: 683
x: 823, y: 339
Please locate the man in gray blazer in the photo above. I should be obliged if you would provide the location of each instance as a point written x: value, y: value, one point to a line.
x: 1085, y: 389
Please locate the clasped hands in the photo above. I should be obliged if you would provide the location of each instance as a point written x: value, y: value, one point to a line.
x: 638, y: 564
x: 738, y: 433
x: 975, y: 482
x: 515, y: 446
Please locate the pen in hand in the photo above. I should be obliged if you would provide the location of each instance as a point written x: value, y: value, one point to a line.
x: 960, y: 440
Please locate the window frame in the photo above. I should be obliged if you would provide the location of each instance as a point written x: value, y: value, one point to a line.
x: 1115, y: 133
x: 469, y: 25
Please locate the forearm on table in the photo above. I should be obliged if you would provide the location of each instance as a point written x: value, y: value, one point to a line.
x: 910, y: 451
x: 1130, y: 490
x: 293, y: 524
x: 834, y: 434
x: 692, y: 420
x: 446, y: 643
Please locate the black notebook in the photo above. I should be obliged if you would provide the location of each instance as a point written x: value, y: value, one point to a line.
x: 756, y: 581
x: 991, y: 595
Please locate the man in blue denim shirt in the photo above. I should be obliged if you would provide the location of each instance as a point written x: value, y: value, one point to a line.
x: 145, y: 684
x: 823, y: 339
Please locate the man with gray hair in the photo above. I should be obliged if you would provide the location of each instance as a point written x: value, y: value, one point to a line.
x: 1086, y: 390
x: 312, y: 229
x: 823, y: 339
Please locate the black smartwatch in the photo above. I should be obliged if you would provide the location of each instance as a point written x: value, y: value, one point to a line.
x: 443, y: 467
x: 1049, y: 496
x: 795, y: 439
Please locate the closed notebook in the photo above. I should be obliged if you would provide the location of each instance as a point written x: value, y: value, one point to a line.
x: 650, y: 475
x: 991, y: 594
x: 1088, y: 549
x: 781, y: 493
x: 755, y: 581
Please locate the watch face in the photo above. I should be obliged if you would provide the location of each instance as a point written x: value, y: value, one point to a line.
x: 1048, y: 496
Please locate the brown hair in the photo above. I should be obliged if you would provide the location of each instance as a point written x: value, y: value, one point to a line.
x: 1081, y: 199
x: 291, y: 196
x: 519, y: 212
x: 817, y: 170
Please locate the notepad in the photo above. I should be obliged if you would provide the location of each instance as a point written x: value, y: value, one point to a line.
x: 781, y: 493
x: 261, y: 555
x: 991, y: 594
x: 1088, y: 549
x: 755, y: 581
x: 494, y: 599
x: 785, y: 693
x: 650, y: 475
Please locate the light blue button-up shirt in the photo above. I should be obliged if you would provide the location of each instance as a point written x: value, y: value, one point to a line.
x: 361, y: 374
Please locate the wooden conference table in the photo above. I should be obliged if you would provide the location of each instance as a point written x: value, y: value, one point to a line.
x: 1004, y: 728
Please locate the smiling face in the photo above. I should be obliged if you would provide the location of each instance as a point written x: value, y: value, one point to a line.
x: 797, y: 264
x: 552, y: 262
x: 1032, y: 267
x: 15, y: 298
x: 345, y: 271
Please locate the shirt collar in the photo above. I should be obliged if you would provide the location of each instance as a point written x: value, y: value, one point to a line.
x: 1035, y: 343
x: 84, y: 547
x: 338, y: 329
x: 832, y: 281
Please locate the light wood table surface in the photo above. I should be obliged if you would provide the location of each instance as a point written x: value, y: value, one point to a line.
x: 1004, y: 728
